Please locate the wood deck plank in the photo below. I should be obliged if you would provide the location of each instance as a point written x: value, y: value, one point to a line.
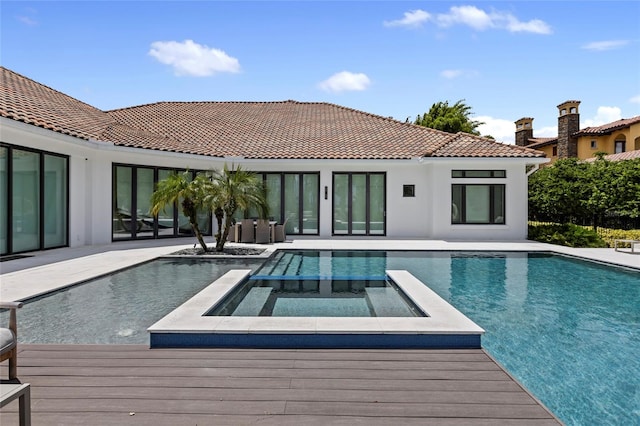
x: 263, y: 363
x: 153, y: 419
x: 309, y: 395
x: 104, y: 384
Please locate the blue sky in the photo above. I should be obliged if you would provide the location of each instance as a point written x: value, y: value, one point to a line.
x: 506, y: 59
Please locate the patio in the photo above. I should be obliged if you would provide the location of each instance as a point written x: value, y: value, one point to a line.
x: 131, y: 384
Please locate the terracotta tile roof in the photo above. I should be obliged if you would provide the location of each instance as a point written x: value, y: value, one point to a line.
x: 629, y: 155
x: 22, y: 99
x: 262, y: 130
x: 467, y: 145
x: 540, y: 142
x: 609, y: 127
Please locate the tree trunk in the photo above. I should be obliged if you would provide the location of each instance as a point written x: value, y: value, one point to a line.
x: 223, y: 232
x: 196, y: 231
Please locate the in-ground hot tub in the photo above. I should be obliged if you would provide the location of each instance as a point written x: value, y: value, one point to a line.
x: 235, y: 311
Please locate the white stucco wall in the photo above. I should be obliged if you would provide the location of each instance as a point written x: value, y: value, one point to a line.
x: 516, y: 195
x: 427, y: 215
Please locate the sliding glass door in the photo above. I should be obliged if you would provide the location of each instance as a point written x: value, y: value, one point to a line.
x: 34, y: 195
x: 132, y: 218
x: 359, y: 201
x: 293, y: 197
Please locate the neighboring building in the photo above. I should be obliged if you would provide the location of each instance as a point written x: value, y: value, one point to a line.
x: 629, y: 155
x: 73, y: 175
x: 618, y: 137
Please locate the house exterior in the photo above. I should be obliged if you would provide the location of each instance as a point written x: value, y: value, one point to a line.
x: 74, y: 175
x: 618, y: 137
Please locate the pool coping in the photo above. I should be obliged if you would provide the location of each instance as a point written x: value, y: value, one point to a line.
x: 187, y: 325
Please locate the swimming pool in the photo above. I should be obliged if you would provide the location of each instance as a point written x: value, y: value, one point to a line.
x: 118, y: 308
x: 568, y: 330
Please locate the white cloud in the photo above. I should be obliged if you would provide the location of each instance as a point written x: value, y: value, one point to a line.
x: 535, y: 26
x: 505, y: 130
x: 473, y: 17
x: 345, y: 81
x: 414, y: 19
x: 502, y: 130
x: 28, y: 21
x: 635, y: 99
x: 466, y: 15
x: 451, y: 73
x: 545, y: 132
x: 193, y: 59
x: 605, y: 45
x: 604, y: 115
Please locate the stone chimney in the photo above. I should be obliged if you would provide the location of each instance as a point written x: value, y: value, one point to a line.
x: 524, y: 131
x: 568, y: 125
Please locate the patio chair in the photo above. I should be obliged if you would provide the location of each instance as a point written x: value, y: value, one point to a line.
x: 247, y: 231
x: 9, y: 339
x: 263, y: 231
x: 280, y: 234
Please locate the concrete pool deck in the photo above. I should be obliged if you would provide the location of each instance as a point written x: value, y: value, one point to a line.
x: 45, y: 271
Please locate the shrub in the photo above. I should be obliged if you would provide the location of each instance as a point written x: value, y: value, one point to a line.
x: 565, y: 234
x: 608, y: 235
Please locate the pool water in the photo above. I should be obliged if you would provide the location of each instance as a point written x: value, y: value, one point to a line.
x: 118, y: 308
x: 312, y: 297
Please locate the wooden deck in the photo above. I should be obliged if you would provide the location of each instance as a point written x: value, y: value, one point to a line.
x: 135, y: 385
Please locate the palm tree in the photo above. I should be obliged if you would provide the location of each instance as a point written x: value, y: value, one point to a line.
x: 191, y: 194
x: 233, y: 190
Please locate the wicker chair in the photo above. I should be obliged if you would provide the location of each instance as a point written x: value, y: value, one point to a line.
x: 280, y: 234
x: 247, y: 231
x: 263, y: 231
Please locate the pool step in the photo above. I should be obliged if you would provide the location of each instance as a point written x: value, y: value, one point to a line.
x: 387, y: 303
x: 281, y: 264
x: 294, y: 265
x: 253, y: 302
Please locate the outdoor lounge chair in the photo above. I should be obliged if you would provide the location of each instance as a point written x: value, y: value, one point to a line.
x: 247, y: 231
x: 12, y: 389
x: 9, y: 339
x: 263, y: 231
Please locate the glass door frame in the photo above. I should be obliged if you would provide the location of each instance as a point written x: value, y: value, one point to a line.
x: 41, y: 197
x: 367, y: 203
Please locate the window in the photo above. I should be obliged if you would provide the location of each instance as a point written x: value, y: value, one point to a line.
x: 554, y: 151
x: 131, y: 204
x: 477, y: 204
x: 594, y: 144
x: 34, y: 192
x: 619, y: 147
x: 294, y: 197
x: 359, y: 201
x: 563, y: 111
x: 408, y: 190
x: 478, y: 173
x: 574, y: 110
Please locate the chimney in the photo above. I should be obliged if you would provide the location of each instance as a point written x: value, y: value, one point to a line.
x: 524, y: 131
x: 568, y: 125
